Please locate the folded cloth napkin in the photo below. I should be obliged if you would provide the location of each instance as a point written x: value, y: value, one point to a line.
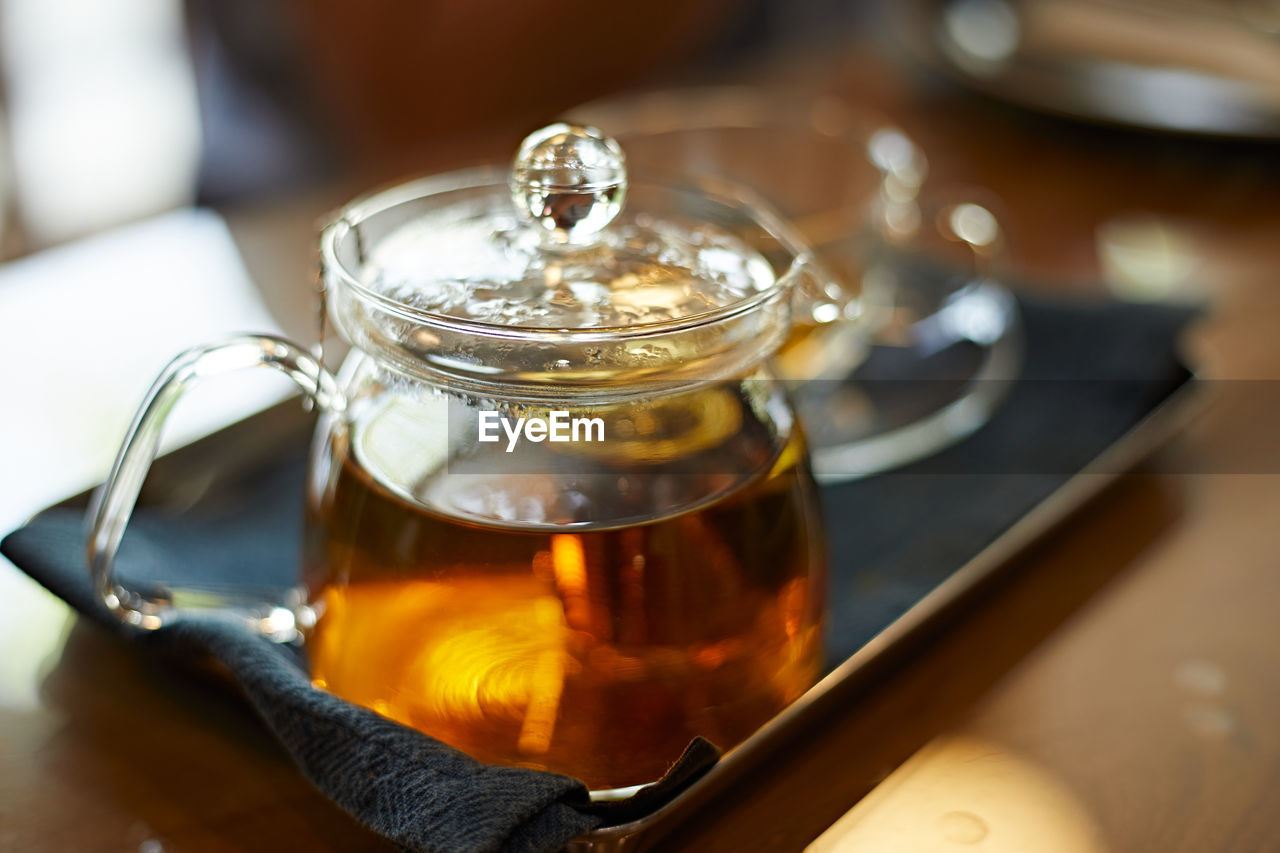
x: 893, y: 538
x: 409, y: 787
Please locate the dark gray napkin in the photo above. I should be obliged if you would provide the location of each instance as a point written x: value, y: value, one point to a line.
x: 1091, y: 373
x: 407, y: 786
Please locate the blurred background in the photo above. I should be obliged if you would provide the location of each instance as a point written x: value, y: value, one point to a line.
x: 116, y: 112
x: 164, y: 164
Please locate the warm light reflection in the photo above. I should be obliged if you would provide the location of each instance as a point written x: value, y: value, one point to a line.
x: 965, y: 794
x: 569, y: 566
x: 548, y: 682
x: 1149, y: 259
x: 973, y: 224
x: 457, y: 652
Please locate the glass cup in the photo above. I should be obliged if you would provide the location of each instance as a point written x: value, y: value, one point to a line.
x: 585, y: 605
x: 908, y: 343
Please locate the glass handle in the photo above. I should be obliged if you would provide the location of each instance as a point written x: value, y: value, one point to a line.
x: 113, y: 503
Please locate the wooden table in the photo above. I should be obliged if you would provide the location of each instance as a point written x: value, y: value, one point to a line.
x: 1117, y: 691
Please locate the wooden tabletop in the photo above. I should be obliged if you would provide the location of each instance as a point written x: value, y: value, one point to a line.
x: 1116, y: 691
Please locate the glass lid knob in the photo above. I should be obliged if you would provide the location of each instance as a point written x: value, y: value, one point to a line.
x: 570, y: 182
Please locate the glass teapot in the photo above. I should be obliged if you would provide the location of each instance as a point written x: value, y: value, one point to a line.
x: 559, y: 512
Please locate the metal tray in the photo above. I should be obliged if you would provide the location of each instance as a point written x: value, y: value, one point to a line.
x: 961, y: 587
x: 185, y: 477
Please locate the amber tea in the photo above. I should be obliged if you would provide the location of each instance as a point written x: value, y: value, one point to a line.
x: 596, y: 652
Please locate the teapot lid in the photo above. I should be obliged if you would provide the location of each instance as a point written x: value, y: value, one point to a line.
x: 559, y: 252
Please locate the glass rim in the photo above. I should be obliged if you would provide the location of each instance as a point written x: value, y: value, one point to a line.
x: 353, y: 214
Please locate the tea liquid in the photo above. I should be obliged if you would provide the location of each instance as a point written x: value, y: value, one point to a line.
x: 595, y: 652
